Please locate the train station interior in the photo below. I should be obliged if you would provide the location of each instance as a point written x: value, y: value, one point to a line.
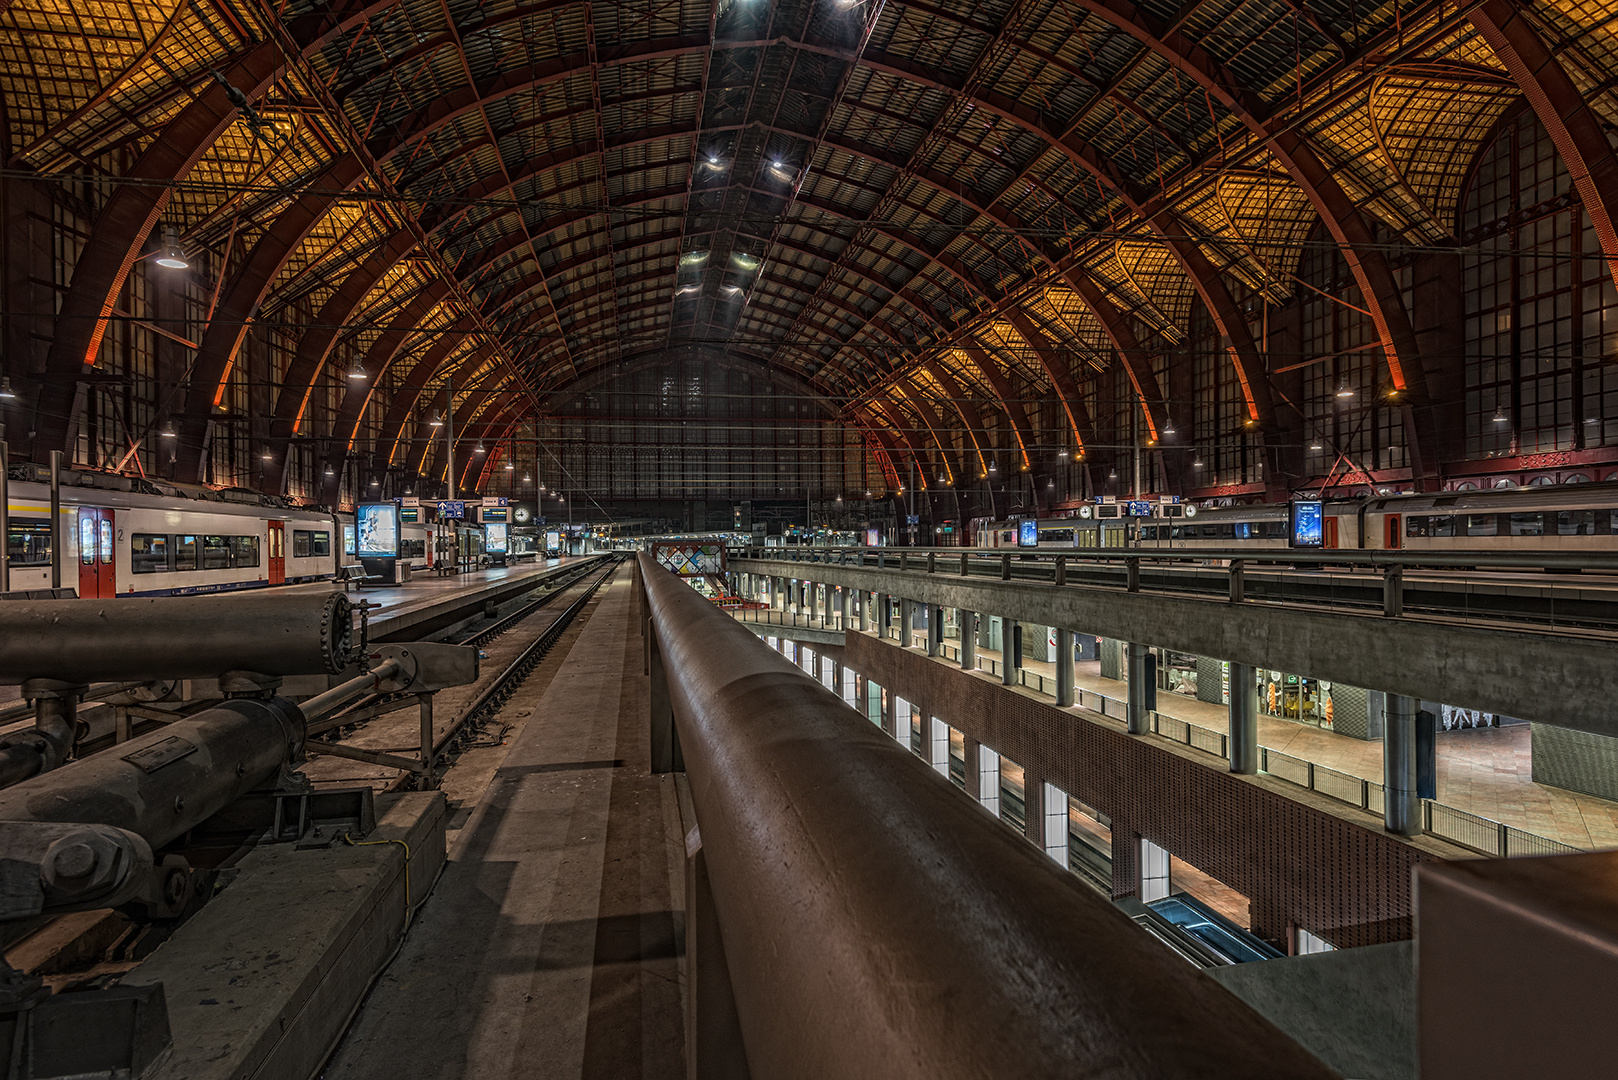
x: 816, y: 539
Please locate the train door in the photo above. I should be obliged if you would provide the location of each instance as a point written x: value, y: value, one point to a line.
x: 277, y: 553
x: 1331, y: 532
x: 1394, y: 533
x: 97, y: 579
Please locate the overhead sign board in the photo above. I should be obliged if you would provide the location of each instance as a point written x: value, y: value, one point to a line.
x: 454, y: 509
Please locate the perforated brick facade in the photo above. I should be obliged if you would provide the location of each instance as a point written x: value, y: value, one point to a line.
x: 1300, y: 863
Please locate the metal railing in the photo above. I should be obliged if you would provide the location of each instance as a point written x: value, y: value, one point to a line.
x: 1394, y: 583
x: 816, y: 844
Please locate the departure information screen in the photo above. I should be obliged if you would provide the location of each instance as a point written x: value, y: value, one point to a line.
x: 1308, y: 524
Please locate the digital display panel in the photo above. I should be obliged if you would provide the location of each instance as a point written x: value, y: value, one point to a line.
x: 378, y: 525
x: 1139, y: 508
x: 553, y: 541
x: 873, y: 538
x: 1027, y: 534
x: 494, y: 539
x: 348, y: 540
x: 494, y: 513
x: 1308, y: 524
x: 410, y: 514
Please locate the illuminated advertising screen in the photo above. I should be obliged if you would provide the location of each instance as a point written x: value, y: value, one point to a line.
x: 348, y: 540
x: 1027, y: 534
x: 494, y: 539
x: 1308, y: 524
x: 378, y: 525
x: 553, y: 541
x: 873, y: 538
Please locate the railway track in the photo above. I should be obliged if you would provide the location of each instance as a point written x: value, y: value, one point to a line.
x: 512, y: 647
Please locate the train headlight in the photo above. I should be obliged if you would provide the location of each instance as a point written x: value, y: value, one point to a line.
x: 1190, y: 511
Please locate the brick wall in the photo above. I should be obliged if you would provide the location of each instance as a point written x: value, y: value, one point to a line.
x: 1300, y: 863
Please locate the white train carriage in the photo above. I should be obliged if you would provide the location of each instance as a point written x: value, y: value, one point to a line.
x: 125, y: 537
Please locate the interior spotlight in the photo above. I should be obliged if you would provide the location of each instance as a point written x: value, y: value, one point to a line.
x: 172, y: 256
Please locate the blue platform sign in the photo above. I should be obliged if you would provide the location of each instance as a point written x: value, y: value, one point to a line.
x: 452, y: 508
x: 1308, y: 521
x: 1139, y: 508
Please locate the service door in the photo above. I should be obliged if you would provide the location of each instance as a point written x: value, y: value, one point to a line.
x: 1395, y: 532
x: 277, y: 553
x: 1331, y: 532
x: 96, y: 577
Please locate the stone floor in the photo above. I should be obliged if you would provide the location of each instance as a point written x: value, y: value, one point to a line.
x: 1488, y: 772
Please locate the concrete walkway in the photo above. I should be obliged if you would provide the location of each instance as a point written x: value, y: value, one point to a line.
x: 552, y: 944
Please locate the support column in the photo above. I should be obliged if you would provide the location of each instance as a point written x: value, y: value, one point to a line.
x: 970, y: 766
x: 1033, y: 808
x: 935, y: 629
x: 907, y: 623
x: 867, y: 610
x: 969, y: 639
x: 1402, y: 804
x: 1064, y: 667
x: 814, y: 598
x: 846, y: 597
x: 1243, y: 719
x: 1010, y: 661
x: 882, y: 615
x: 1140, y: 688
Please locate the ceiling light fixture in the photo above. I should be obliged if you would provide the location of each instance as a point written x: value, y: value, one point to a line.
x: 357, y: 372
x: 172, y: 256
x: 1343, y: 390
x: 168, y: 431
x: 6, y: 392
x: 479, y: 448
x: 1500, y: 416
x: 434, y: 421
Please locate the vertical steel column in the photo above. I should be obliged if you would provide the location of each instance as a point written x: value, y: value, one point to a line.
x: 1402, y: 804
x: 935, y: 629
x: 56, y: 519
x: 1135, y: 661
x: 969, y: 639
x: 907, y: 623
x: 1064, y: 667
x: 1243, y: 719
x: 427, y: 781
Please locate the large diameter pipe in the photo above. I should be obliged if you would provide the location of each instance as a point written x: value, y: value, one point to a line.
x: 168, y: 781
x: 877, y: 923
x: 190, y: 637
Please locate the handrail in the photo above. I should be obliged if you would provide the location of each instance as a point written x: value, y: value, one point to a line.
x: 1365, y: 557
x: 877, y: 924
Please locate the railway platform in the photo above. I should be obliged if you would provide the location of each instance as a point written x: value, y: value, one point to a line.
x: 551, y: 946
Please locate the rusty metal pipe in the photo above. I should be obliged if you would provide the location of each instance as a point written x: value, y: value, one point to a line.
x: 89, y: 641
x: 877, y: 923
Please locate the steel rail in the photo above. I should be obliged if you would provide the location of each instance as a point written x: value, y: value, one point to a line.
x: 877, y: 923
x: 498, y: 692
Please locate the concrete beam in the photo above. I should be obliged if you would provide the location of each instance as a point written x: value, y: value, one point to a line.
x: 1546, y: 678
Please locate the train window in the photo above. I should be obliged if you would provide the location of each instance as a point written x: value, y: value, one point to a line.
x: 1441, y: 525
x: 1415, y: 526
x: 300, y: 544
x: 1056, y: 536
x: 1527, y: 524
x: 1482, y: 525
x: 1148, y: 532
x: 1275, y: 530
x: 87, y: 541
x: 149, y: 553
x: 1225, y: 532
x: 185, y: 553
x: 106, y: 542
x: 1575, y: 522
x: 244, y: 550
x: 215, y: 553
x: 29, y: 544
x: 320, y: 544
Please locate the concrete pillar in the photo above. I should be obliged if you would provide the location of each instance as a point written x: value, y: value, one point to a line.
x: 814, y: 597
x: 1009, y: 629
x: 1402, y: 804
x: 1140, y: 691
x: 1243, y: 719
x: 882, y: 615
x: 846, y: 597
x: 935, y: 629
x: 1064, y: 667
x: 969, y: 639
x: 1033, y: 808
x: 907, y: 623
